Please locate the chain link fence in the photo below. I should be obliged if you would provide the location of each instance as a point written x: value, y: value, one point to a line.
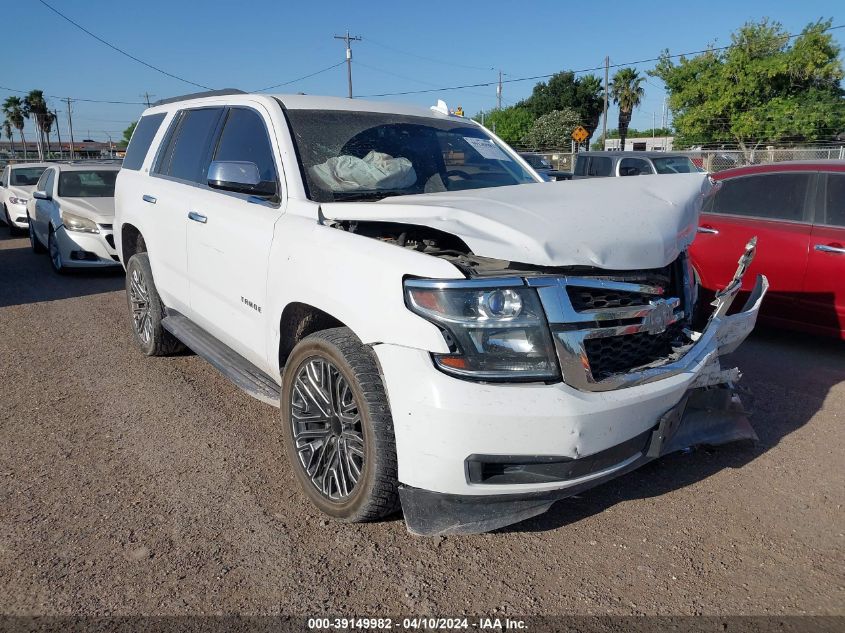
x: 713, y: 160
x: 717, y: 160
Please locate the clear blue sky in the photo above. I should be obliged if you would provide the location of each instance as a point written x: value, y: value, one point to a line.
x: 406, y: 46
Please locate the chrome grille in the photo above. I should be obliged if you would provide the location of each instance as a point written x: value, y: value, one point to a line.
x: 615, y: 331
x: 614, y: 354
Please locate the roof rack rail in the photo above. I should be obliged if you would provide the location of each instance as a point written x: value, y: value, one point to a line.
x: 199, y: 95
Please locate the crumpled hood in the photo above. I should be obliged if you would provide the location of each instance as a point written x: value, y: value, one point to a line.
x: 101, y: 210
x: 611, y: 223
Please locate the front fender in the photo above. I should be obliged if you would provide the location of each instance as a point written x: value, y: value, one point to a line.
x: 355, y: 279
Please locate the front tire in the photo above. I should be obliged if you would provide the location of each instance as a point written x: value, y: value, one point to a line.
x: 146, y: 309
x: 13, y: 230
x: 35, y: 244
x: 55, y: 253
x: 338, y: 427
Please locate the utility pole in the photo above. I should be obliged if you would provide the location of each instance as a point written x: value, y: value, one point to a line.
x: 59, y: 134
x: 70, y: 126
x: 604, y: 119
x: 499, y: 92
x: 38, y: 137
x: 146, y: 97
x: 348, y: 39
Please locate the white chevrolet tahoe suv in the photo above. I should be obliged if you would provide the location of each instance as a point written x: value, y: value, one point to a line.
x: 442, y: 331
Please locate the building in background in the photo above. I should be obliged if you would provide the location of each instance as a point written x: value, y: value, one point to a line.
x: 644, y: 144
x: 81, y: 150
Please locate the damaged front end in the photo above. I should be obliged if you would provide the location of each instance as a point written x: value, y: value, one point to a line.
x: 614, y: 331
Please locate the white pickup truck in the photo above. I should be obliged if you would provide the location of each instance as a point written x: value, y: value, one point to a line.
x: 443, y: 331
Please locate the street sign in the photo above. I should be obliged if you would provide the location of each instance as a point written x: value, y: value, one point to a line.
x: 579, y: 134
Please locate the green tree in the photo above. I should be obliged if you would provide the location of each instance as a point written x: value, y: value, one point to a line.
x: 553, y: 130
x: 627, y: 92
x: 584, y: 95
x: 7, y: 130
x: 510, y: 124
x: 127, y: 134
x: 13, y: 111
x: 761, y: 89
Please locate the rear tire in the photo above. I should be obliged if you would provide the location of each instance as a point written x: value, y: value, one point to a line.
x: 338, y: 427
x: 146, y: 310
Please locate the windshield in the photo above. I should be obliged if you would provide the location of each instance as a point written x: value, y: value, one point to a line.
x: 537, y: 162
x: 370, y: 155
x: 87, y: 184
x: 675, y: 165
x: 26, y: 176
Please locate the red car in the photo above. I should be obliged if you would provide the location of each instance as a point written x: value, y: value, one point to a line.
x: 797, y: 211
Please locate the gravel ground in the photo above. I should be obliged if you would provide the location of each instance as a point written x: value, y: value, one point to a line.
x: 131, y: 485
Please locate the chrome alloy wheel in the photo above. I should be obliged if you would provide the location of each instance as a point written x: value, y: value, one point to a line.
x: 327, y: 428
x: 139, y: 298
x: 55, y: 253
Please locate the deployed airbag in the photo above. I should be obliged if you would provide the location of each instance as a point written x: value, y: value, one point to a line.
x: 376, y: 171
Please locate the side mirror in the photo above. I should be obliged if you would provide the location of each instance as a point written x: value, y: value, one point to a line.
x: 239, y: 177
x: 41, y: 195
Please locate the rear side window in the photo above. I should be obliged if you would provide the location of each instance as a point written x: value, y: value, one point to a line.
x: 142, y: 138
x: 581, y: 166
x: 244, y: 138
x: 835, y: 200
x: 766, y: 196
x: 634, y: 167
x: 51, y: 180
x: 600, y: 166
x: 187, y: 152
x: 42, y: 182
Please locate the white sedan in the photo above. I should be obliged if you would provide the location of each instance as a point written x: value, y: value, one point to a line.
x: 71, y: 214
x: 16, y: 186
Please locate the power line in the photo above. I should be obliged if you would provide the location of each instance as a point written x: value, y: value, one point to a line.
x: 582, y: 70
x: 430, y: 59
x: 285, y: 83
x: 119, y: 50
x: 24, y: 92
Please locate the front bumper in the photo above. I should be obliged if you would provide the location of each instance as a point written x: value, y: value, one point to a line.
x: 86, y: 250
x: 704, y: 416
x: 17, y: 213
x: 442, y: 424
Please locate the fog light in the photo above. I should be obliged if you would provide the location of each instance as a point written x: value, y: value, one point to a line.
x: 83, y: 256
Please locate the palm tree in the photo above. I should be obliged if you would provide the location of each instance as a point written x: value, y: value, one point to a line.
x: 627, y: 92
x: 13, y: 109
x: 48, y: 120
x: 7, y: 130
x: 35, y: 105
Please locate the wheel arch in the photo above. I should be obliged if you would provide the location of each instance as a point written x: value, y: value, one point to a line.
x: 131, y: 242
x: 297, y: 321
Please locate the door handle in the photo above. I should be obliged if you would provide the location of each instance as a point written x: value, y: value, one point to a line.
x: 827, y: 248
x: 197, y: 217
x: 149, y: 199
x: 708, y: 229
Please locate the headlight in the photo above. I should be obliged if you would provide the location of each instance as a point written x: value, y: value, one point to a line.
x: 16, y: 200
x: 496, y: 330
x: 74, y: 222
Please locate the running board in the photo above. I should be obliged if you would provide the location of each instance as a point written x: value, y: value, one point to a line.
x: 235, y: 367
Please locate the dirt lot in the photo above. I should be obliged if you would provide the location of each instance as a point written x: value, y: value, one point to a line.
x: 152, y: 486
